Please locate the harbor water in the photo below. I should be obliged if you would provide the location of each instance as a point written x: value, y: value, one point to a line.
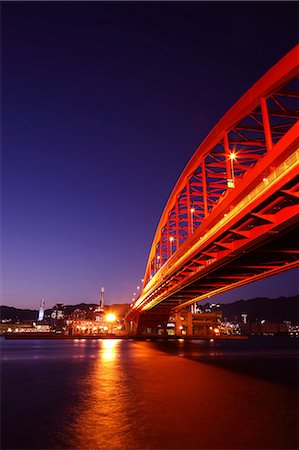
x: 125, y: 394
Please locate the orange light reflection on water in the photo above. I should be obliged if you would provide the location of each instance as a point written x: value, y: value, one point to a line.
x: 110, y: 349
x: 101, y: 419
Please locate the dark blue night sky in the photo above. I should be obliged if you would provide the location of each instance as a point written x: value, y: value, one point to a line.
x: 103, y: 104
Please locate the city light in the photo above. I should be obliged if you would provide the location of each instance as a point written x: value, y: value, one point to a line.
x: 110, y: 317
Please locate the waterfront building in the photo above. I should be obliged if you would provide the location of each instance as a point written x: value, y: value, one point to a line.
x: 264, y: 328
x: 184, y: 323
x: 230, y: 328
x: 7, y: 328
x: 98, y: 319
x: 108, y: 324
x: 58, y: 318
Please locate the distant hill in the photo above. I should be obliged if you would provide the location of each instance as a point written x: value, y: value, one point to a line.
x: 14, y: 314
x: 272, y: 309
x: 275, y: 310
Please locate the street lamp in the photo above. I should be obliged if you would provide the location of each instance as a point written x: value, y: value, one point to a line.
x: 231, y: 181
x: 192, y: 210
x: 171, y: 239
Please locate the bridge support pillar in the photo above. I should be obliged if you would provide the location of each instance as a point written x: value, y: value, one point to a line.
x: 131, y: 324
x: 148, y: 324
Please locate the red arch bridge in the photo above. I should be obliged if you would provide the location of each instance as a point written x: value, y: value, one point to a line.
x: 231, y: 218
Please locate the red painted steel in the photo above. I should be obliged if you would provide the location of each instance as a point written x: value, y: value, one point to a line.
x: 254, y: 138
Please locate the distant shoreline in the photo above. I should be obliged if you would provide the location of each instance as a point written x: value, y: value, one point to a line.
x: 123, y: 337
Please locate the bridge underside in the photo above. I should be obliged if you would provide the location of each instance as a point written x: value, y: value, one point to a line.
x: 261, y: 243
x: 264, y: 260
x: 269, y: 258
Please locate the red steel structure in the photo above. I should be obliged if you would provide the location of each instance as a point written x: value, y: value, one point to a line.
x: 231, y: 218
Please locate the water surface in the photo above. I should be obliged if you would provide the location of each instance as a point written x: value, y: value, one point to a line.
x: 116, y: 394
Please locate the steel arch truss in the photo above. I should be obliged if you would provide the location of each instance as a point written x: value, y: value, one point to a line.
x: 255, y: 138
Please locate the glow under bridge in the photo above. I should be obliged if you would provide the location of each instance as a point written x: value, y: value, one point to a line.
x: 231, y: 218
